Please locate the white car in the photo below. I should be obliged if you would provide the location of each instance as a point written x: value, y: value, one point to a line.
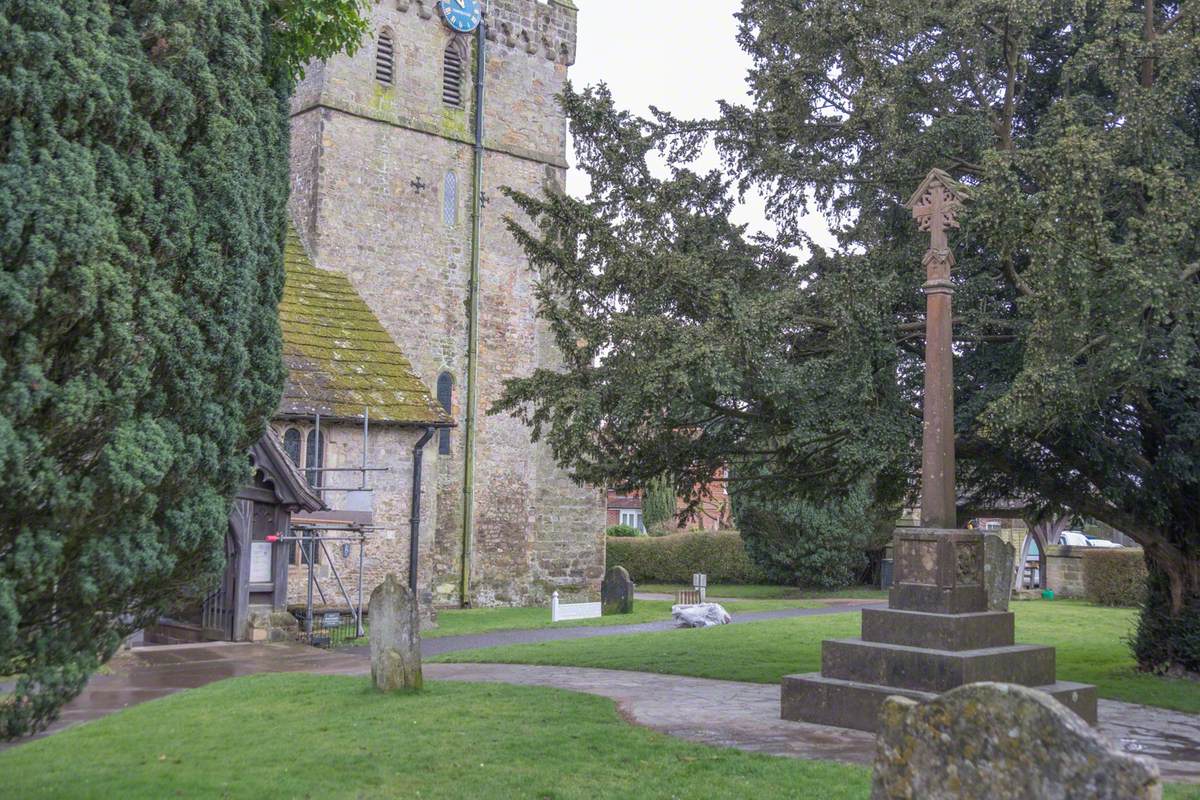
x: 1074, y: 539
x: 1081, y: 539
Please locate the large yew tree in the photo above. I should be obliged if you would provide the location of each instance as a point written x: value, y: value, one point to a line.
x: 143, y: 184
x: 1074, y: 124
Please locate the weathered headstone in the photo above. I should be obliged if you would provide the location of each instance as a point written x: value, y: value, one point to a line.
x: 998, y: 557
x: 616, y: 592
x: 998, y: 741
x: 395, y: 637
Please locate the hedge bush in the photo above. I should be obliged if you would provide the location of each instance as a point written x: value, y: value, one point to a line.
x: 623, y: 530
x: 673, y: 559
x: 1114, y: 577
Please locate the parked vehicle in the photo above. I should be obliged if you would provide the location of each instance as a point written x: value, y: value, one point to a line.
x: 1081, y: 539
x: 1073, y: 539
x: 1102, y: 543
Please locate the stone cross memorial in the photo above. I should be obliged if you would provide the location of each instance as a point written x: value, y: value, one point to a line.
x: 395, y: 637
x: 946, y: 624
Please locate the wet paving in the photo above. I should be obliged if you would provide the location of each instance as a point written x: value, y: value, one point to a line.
x: 721, y: 713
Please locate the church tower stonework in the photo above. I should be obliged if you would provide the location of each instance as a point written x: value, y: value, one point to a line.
x: 382, y: 178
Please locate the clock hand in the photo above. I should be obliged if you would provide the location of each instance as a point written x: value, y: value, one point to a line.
x: 461, y: 3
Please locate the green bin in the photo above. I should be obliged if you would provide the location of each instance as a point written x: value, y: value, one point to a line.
x: 1047, y: 594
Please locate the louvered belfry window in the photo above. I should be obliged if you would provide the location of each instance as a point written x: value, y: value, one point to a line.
x: 453, y: 73
x: 385, y: 58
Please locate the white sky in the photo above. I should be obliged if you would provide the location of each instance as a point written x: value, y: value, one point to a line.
x: 679, y: 56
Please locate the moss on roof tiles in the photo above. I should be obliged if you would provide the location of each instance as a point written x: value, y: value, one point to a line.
x: 339, y: 357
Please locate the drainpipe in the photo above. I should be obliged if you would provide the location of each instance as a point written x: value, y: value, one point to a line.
x: 468, y: 529
x: 414, y: 531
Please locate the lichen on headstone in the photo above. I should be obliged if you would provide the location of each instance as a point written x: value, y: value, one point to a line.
x: 998, y: 557
x: 395, y: 637
x: 998, y: 741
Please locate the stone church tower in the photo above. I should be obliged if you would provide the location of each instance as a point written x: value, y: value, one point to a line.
x: 382, y: 190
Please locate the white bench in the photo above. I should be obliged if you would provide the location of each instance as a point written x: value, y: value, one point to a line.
x: 560, y: 612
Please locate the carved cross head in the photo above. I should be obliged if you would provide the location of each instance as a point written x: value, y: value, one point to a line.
x: 936, y: 203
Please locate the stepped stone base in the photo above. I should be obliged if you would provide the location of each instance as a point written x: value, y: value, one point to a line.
x: 929, y: 670
x: 938, y: 631
x: 942, y: 630
x: 850, y: 704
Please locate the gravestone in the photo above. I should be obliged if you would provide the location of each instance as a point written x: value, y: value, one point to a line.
x: 998, y: 557
x: 616, y: 592
x: 996, y: 741
x: 395, y: 637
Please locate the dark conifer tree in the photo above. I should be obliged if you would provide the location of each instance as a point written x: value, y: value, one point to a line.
x: 143, y: 184
x: 1075, y: 126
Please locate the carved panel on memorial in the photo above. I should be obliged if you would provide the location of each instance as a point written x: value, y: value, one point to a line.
x: 916, y: 561
x: 969, y: 561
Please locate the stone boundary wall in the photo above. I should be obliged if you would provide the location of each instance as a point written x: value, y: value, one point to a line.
x: 1064, y: 570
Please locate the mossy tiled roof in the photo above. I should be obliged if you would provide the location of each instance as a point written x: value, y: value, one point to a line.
x: 339, y: 357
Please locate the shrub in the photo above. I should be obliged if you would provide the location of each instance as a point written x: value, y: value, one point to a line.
x: 673, y: 559
x: 800, y: 543
x: 623, y: 530
x: 1114, y: 577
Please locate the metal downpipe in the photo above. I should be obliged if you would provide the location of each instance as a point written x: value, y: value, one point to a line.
x: 468, y: 530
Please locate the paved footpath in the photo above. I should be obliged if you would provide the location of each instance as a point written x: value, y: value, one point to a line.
x: 449, y: 644
x: 746, y: 715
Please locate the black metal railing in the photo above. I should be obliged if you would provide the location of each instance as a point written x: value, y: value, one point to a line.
x: 216, y: 615
x: 330, y: 629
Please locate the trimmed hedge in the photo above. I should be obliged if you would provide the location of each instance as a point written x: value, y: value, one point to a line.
x: 673, y: 559
x: 1114, y: 577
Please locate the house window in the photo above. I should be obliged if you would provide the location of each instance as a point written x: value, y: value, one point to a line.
x: 453, y: 71
x: 314, y: 459
x: 291, y: 445
x: 633, y: 518
x: 385, y: 58
x: 450, y: 199
x: 445, y: 396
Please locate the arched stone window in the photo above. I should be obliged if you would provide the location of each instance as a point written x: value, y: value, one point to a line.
x: 385, y: 58
x: 291, y: 445
x: 445, y: 396
x: 450, y: 199
x: 314, y: 459
x: 454, y: 69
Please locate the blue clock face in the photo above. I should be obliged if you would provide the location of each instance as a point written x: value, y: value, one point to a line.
x: 461, y: 15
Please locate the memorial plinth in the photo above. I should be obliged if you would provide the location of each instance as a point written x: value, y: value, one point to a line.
x: 938, y: 632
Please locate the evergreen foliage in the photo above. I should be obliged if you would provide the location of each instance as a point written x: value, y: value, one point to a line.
x: 143, y: 183
x: 689, y: 345
x: 674, y: 558
x: 658, y: 503
x: 817, y: 545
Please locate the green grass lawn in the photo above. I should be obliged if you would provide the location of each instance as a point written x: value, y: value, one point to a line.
x: 309, y: 736
x: 456, y: 622
x: 1090, y: 641
x: 287, y: 736
x: 760, y: 591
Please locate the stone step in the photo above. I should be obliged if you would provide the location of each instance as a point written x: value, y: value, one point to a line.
x: 930, y: 670
x: 823, y: 700
x: 938, y: 631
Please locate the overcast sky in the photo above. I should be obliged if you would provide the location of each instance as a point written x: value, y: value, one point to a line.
x: 679, y: 56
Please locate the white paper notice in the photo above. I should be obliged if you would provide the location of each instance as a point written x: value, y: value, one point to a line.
x: 260, y: 562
